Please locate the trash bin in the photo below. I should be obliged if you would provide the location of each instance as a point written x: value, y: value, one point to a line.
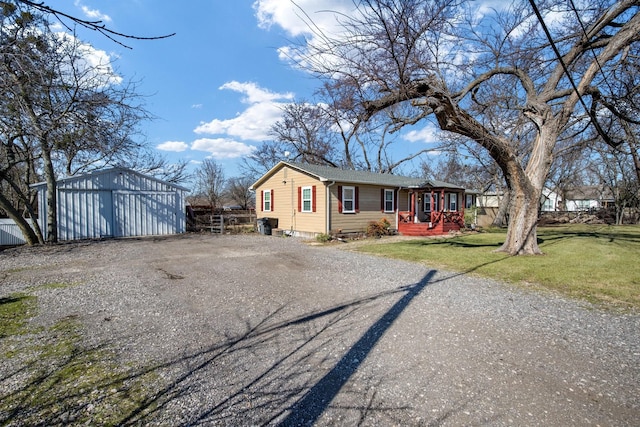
x: 264, y: 226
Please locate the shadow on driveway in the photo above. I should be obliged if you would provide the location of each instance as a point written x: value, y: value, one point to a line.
x: 275, y: 373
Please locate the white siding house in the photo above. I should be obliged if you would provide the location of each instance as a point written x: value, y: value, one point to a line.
x: 116, y: 202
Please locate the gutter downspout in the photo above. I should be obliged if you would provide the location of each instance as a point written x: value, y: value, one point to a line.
x: 328, y: 208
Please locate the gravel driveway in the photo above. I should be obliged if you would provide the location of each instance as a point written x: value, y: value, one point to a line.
x: 260, y: 330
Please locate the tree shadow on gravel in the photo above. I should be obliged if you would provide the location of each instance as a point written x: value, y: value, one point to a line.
x: 279, y: 371
x: 316, y: 400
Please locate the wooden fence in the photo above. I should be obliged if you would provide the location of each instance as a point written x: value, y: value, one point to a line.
x: 235, y: 221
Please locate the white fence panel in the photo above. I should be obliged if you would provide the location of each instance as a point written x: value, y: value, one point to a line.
x: 10, y: 233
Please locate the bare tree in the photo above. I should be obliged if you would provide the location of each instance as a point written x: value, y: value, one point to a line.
x: 305, y: 131
x: 330, y: 132
x: 61, y: 114
x: 569, y: 168
x: 238, y: 190
x: 452, y: 168
x: 615, y: 172
x: 262, y: 159
x: 70, y: 20
x: 210, y: 182
x: 467, y: 69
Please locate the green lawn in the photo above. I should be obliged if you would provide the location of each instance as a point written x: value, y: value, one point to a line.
x: 596, y: 262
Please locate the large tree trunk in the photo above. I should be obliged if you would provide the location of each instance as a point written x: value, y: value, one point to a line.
x: 52, y: 198
x: 522, y: 236
x: 502, y: 217
x: 525, y: 188
x: 524, y: 185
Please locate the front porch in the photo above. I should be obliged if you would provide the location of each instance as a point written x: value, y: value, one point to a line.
x: 432, y: 212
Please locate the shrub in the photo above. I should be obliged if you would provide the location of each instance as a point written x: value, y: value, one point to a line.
x: 378, y: 228
x: 470, y: 215
x: 323, y: 238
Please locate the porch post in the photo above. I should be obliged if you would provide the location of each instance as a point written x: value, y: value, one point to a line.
x: 432, y: 206
x: 443, y: 200
x: 412, y: 208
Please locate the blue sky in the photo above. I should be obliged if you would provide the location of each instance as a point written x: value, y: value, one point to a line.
x: 218, y: 85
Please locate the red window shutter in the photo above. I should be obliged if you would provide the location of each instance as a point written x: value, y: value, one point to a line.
x: 299, y: 199
x: 382, y: 201
x: 313, y: 198
x: 340, y: 198
x: 262, y: 200
x: 272, y: 205
x: 357, y: 199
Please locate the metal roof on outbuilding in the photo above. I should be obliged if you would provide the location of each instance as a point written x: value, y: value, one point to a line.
x: 116, y: 178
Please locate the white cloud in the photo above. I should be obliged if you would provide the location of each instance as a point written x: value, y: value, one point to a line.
x: 175, y: 146
x: 488, y: 7
x: 255, y: 122
x: 92, y: 14
x: 426, y: 135
x: 313, y: 20
x: 254, y: 93
x: 302, y: 17
x: 252, y: 124
x: 222, y: 148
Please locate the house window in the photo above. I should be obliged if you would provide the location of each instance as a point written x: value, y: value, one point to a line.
x: 453, y: 202
x: 266, y: 201
x: 348, y: 199
x: 427, y: 202
x: 389, y: 205
x: 469, y: 201
x: 306, y: 199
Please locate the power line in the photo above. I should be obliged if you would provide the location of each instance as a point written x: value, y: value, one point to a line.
x: 592, y: 117
x: 584, y: 31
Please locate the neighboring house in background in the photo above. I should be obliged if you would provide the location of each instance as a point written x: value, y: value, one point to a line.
x: 307, y: 200
x: 576, y: 199
x: 551, y: 201
x: 488, y: 204
x: 115, y: 202
x: 588, y: 197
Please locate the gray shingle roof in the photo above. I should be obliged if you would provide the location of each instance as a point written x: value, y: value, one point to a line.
x: 327, y: 173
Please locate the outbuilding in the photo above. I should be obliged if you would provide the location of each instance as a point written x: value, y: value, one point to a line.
x: 116, y: 202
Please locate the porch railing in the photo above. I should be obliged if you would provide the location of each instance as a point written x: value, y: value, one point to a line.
x: 455, y: 217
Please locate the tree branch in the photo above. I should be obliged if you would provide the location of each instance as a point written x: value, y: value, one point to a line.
x: 98, y: 26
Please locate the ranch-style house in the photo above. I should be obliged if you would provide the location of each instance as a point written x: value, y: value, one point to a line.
x: 307, y: 200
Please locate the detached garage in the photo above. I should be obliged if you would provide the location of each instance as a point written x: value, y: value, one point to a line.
x: 116, y: 202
